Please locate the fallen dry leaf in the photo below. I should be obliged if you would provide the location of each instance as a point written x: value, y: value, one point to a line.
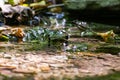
x: 7, y: 66
x: 24, y: 71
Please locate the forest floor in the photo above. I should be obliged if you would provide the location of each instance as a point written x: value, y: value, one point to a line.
x: 45, y: 65
x: 18, y: 64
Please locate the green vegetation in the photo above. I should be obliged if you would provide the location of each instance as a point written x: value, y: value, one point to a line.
x: 26, y: 77
x: 113, y: 76
x: 53, y: 38
x: 90, y: 4
x: 36, y: 45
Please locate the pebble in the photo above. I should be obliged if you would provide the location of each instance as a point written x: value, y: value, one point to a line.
x: 8, y: 56
x: 45, y: 67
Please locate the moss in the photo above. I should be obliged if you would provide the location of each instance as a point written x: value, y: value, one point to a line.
x: 35, y: 46
x: 90, y: 4
x: 113, y: 49
x: 26, y: 77
x: 113, y: 76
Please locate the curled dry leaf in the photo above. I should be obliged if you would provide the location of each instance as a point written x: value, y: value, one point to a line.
x: 18, y: 33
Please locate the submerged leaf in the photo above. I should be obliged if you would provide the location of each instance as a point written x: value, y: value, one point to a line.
x: 4, y: 38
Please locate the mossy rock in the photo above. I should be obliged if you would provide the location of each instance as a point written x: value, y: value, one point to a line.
x: 99, y: 11
x: 92, y: 4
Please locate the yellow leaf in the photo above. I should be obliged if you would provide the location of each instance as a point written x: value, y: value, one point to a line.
x: 41, y: 3
x: 26, y: 5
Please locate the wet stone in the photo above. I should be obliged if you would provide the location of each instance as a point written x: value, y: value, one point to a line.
x: 45, y: 67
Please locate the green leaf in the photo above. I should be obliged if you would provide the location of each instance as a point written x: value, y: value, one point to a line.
x: 4, y: 38
x: 11, y: 2
x: 14, y: 2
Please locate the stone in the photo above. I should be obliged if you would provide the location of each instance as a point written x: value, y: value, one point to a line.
x: 16, y: 14
x: 45, y: 67
x: 117, y: 68
x: 94, y: 10
x: 92, y: 4
x: 8, y: 56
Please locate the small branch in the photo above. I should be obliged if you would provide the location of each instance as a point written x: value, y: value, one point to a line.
x: 55, y: 5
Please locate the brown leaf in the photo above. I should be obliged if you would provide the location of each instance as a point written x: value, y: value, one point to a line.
x: 3, y: 66
x: 25, y: 71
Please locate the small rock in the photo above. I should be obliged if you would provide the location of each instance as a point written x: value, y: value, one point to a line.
x: 1, y: 54
x: 45, y: 67
x: 117, y: 68
x: 119, y: 54
x: 7, y: 56
x: 34, y: 69
x: 17, y: 55
x: 57, y: 65
x: 84, y: 71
